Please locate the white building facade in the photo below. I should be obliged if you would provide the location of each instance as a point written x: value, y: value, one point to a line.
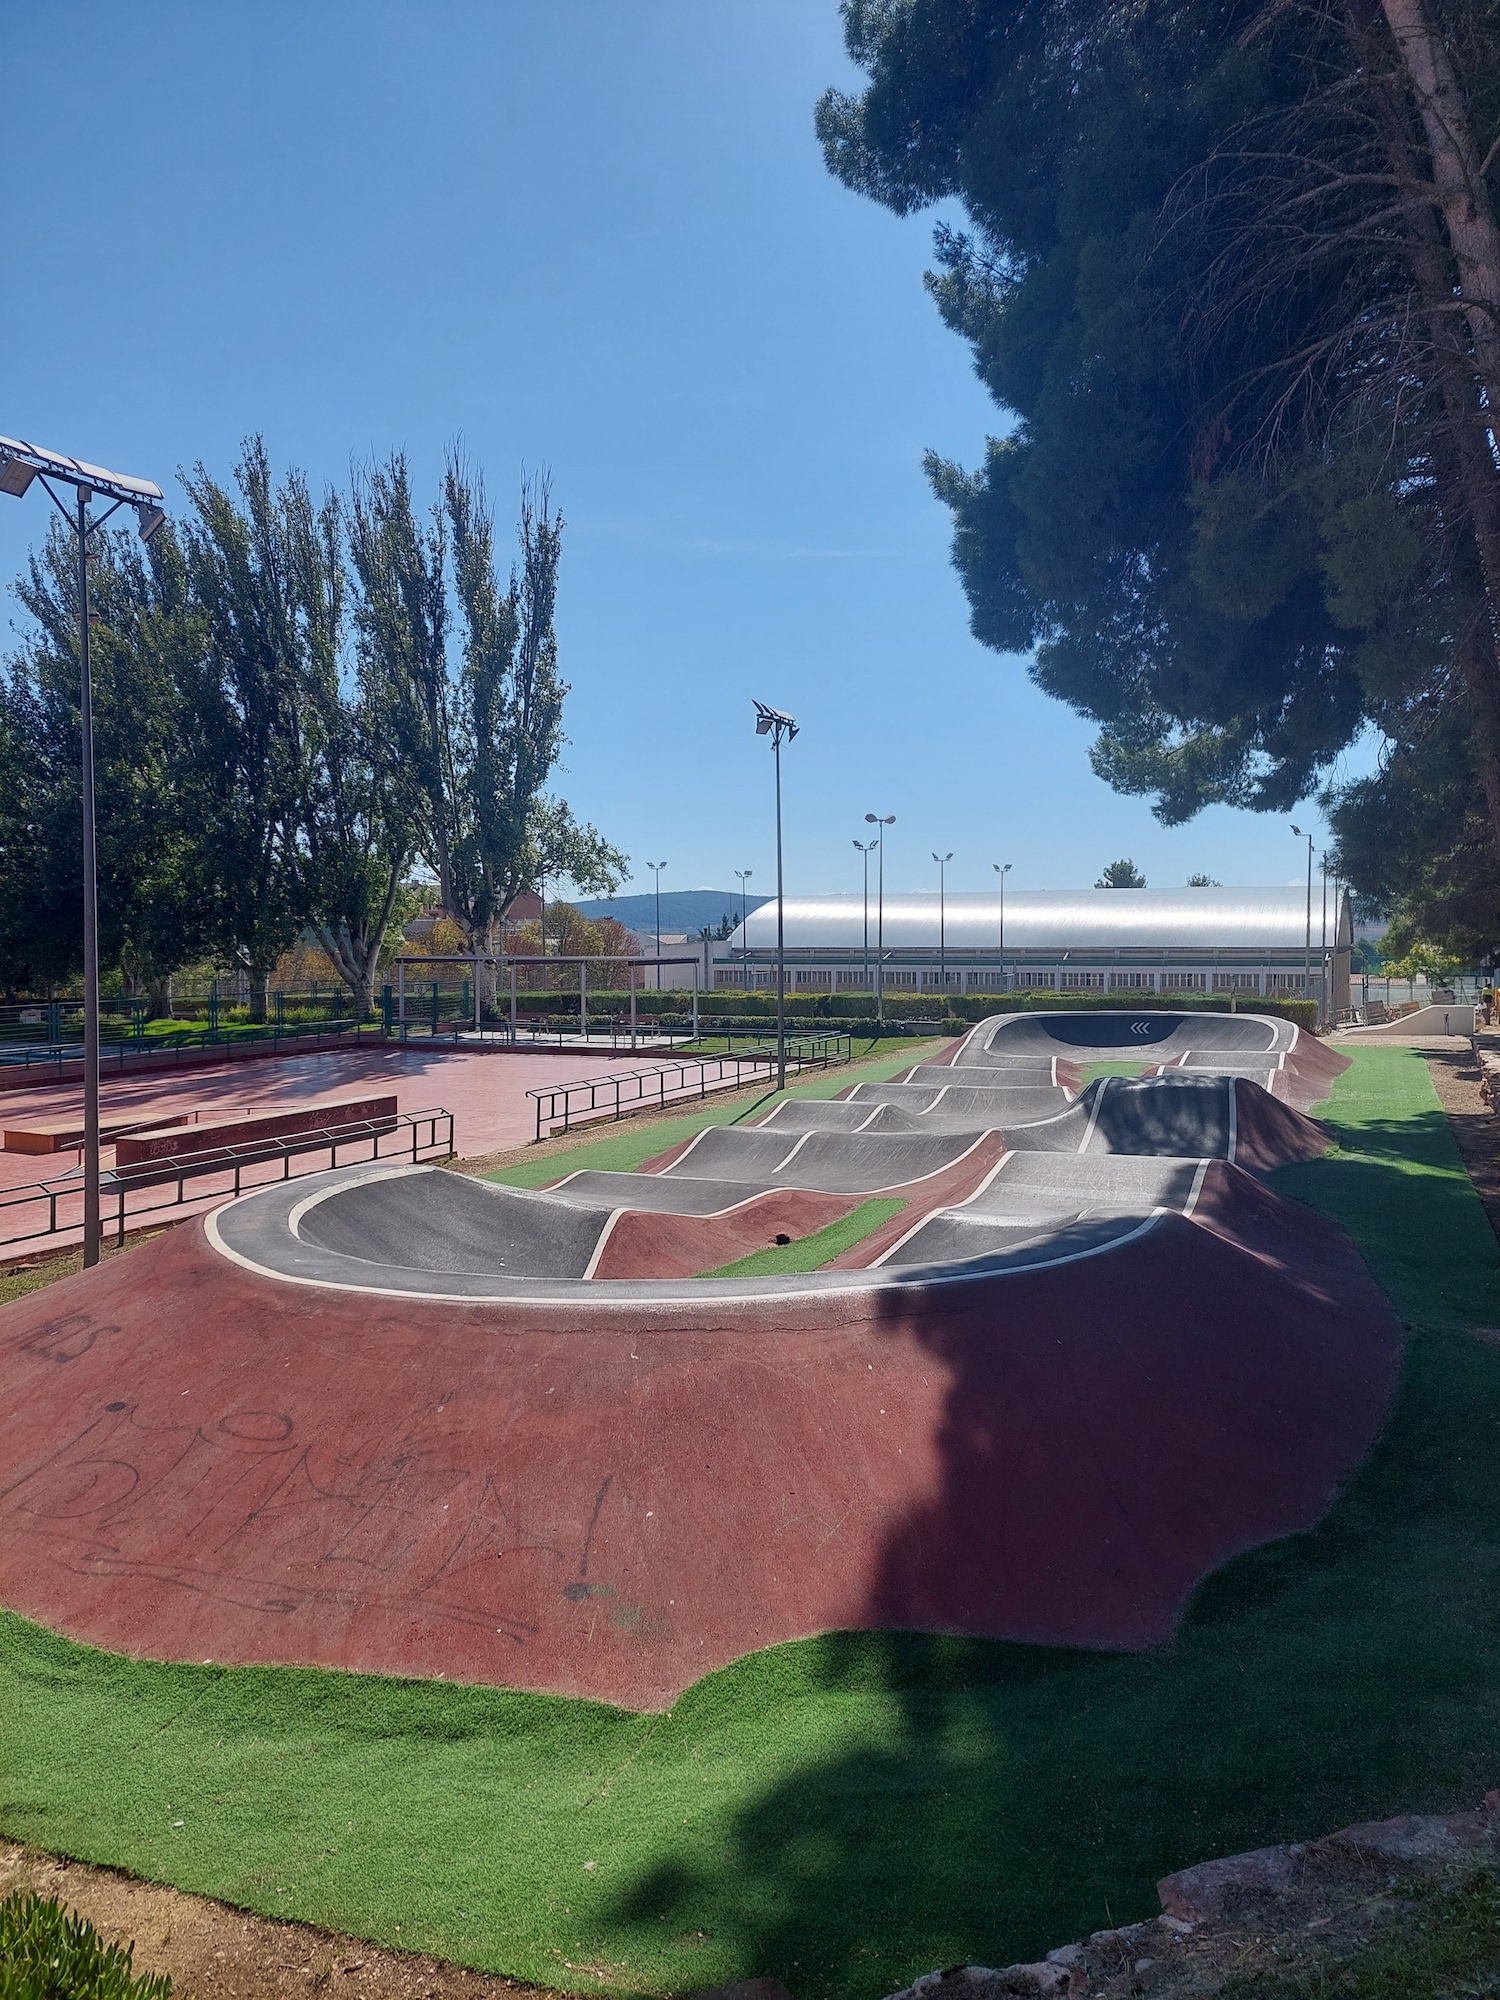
x: 1243, y: 942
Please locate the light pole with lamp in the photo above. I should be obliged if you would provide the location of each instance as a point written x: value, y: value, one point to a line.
x: 780, y: 728
x: 744, y: 875
x: 865, y: 848
x: 942, y: 861
x: 875, y: 820
x: 1307, y: 943
x: 656, y: 867
x: 20, y: 464
x: 1002, y: 869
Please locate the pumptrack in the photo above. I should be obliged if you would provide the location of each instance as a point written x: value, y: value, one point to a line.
x: 405, y: 1421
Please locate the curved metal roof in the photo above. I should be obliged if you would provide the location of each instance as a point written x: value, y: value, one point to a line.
x: 1050, y: 920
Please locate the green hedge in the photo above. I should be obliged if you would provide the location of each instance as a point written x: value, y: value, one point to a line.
x: 825, y: 1006
x: 855, y: 1011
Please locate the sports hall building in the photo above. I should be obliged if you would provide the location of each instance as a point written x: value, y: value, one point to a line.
x: 1244, y: 942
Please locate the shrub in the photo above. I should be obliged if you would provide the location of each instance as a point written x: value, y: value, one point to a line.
x: 46, y: 1953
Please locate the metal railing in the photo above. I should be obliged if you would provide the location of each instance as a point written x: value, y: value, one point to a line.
x: 612, y: 1096
x: 50, y: 1208
x: 164, y: 1052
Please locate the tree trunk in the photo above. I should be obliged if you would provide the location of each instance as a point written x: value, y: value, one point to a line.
x: 1459, y: 187
x: 1468, y: 484
x: 259, y: 977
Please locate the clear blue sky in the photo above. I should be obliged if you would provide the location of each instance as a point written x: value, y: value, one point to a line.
x: 598, y: 237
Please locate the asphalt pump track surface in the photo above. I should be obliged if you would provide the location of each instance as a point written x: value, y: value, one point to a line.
x: 396, y: 1419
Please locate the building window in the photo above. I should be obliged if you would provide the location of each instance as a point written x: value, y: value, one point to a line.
x: 1183, y: 982
x: 1132, y: 982
x: 1236, y: 982
x: 1071, y: 982
x: 1033, y: 976
x: 1284, y: 982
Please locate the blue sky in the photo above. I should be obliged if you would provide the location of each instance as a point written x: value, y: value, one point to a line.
x: 601, y: 238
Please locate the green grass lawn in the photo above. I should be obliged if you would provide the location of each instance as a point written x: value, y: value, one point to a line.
x: 850, y: 1811
x: 1109, y: 1066
x: 626, y: 1145
x: 811, y: 1253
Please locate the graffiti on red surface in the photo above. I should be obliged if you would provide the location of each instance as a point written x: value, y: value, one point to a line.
x: 243, y: 1508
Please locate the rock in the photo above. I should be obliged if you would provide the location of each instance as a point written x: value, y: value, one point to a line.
x: 1041, y: 1981
x: 1414, y: 1837
x: 1198, y: 1894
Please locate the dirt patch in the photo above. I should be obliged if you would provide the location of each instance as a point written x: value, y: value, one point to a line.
x: 29, y: 1274
x: 1455, y: 1075
x: 213, y: 1952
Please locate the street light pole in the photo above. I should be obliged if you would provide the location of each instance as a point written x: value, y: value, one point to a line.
x: 778, y: 726
x: 744, y: 875
x: 1324, y: 953
x: 942, y: 861
x: 865, y: 850
x: 1002, y: 869
x: 1307, y: 941
x: 875, y: 820
x: 20, y: 464
x: 656, y: 867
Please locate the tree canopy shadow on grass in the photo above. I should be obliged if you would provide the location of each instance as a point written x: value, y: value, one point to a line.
x: 990, y: 1801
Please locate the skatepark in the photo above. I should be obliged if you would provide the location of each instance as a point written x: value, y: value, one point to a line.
x: 405, y: 1421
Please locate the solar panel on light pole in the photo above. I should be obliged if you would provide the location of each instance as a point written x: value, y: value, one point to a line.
x: 20, y: 464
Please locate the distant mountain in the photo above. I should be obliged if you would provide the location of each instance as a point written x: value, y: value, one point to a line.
x: 682, y: 910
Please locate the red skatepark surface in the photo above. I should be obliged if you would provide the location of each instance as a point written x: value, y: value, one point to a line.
x: 200, y: 1462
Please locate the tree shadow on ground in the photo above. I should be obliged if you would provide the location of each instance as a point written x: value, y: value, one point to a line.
x: 986, y: 1802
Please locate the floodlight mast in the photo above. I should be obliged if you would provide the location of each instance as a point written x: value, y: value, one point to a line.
x: 1307, y: 941
x: 1002, y: 869
x: 20, y: 464
x: 779, y: 726
x: 744, y: 875
x: 880, y: 824
x: 942, y: 861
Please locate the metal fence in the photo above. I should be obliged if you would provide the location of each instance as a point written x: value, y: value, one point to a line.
x: 152, y: 1052
x: 52, y: 1208
x: 599, y: 1097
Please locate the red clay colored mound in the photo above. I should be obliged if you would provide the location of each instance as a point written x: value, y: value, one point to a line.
x: 196, y: 1462
x: 643, y: 1245
x: 1269, y: 1133
x: 1308, y: 1074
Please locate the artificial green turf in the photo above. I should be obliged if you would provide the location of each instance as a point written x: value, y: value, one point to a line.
x: 811, y: 1253
x: 1109, y: 1066
x: 850, y: 1811
x: 633, y: 1141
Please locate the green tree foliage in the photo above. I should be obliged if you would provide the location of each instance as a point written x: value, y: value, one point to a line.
x: 282, y: 731
x: 1233, y: 273
x: 476, y: 725
x: 1203, y: 882
x: 150, y: 914
x: 1121, y: 875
